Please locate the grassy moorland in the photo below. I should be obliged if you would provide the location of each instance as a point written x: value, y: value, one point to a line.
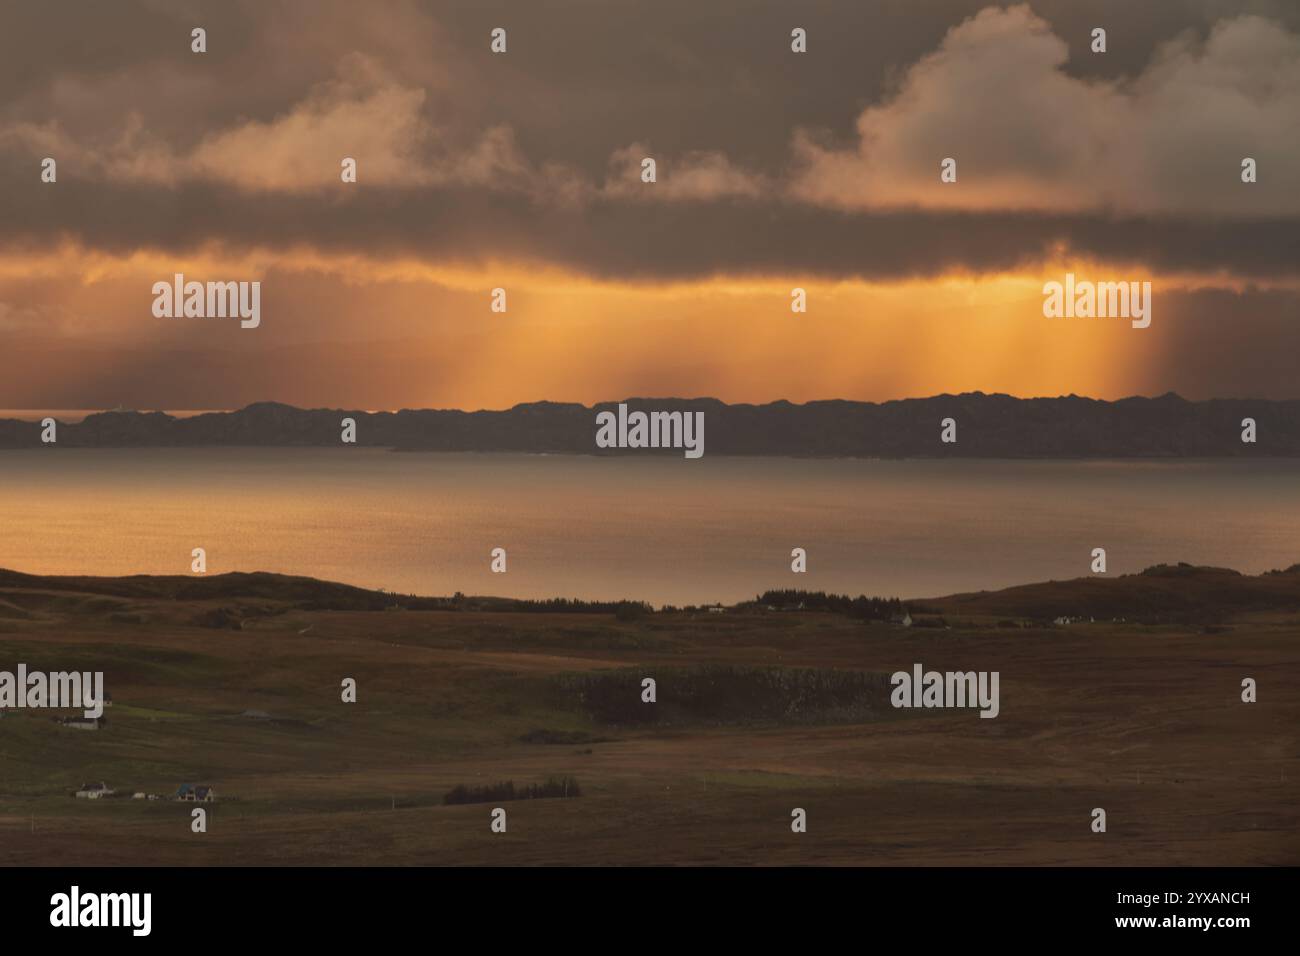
x: 234, y: 681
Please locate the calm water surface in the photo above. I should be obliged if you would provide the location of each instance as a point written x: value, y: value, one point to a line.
x: 666, y: 530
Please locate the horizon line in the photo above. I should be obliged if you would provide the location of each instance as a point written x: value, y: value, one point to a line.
x: 191, y: 412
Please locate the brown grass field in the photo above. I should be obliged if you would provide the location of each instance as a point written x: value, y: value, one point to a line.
x: 1144, y: 720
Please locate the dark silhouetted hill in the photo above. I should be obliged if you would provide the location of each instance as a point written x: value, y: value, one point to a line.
x: 1180, y: 593
x: 988, y: 426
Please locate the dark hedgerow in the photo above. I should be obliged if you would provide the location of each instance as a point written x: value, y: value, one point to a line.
x: 562, y: 787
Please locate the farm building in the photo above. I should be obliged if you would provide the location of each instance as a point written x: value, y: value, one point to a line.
x: 94, y: 791
x: 196, y: 793
x: 81, y: 723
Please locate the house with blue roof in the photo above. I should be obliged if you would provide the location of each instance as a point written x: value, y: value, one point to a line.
x: 196, y: 793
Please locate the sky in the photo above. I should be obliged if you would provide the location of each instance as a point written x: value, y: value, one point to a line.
x: 522, y: 170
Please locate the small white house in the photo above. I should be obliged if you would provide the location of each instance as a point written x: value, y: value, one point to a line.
x: 81, y: 723
x: 94, y: 791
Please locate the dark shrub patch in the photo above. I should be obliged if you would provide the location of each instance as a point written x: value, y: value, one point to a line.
x: 722, y: 694
x: 562, y: 787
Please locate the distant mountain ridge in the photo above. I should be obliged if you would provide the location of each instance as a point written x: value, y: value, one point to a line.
x: 988, y: 426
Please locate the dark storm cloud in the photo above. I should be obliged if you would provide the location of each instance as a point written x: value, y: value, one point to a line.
x: 581, y: 78
x: 612, y: 238
x: 115, y: 89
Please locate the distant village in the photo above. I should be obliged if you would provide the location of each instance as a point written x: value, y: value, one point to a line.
x: 877, y: 611
x: 185, y: 793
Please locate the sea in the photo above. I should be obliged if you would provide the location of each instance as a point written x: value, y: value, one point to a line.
x: 666, y: 530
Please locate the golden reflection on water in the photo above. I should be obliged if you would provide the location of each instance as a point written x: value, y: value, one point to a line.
x: 665, y: 530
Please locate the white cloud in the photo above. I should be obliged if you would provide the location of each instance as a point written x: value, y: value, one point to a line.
x: 1028, y: 135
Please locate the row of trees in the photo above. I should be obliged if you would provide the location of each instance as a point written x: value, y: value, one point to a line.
x: 861, y: 607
